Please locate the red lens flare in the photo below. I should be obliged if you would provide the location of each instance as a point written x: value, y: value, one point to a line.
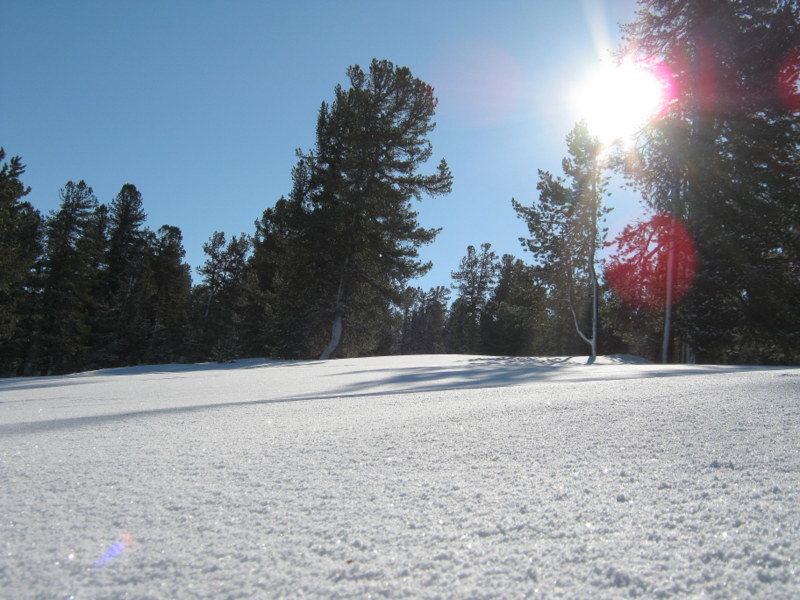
x: 789, y: 80
x: 637, y: 271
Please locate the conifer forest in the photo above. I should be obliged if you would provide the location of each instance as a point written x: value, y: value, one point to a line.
x: 711, y: 274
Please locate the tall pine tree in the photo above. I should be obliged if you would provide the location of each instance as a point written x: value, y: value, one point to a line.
x: 20, y: 248
x: 566, y: 230
x: 725, y: 160
x: 348, y: 233
x: 172, y: 282
x: 127, y: 284
x: 67, y: 282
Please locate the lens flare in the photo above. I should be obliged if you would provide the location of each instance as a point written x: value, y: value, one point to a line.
x: 788, y: 80
x: 478, y: 82
x: 617, y: 100
x: 638, y: 270
x: 124, y: 541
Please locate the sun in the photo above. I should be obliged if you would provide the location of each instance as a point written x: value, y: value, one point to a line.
x: 617, y: 100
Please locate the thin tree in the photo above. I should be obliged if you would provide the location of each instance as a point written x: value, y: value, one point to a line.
x: 565, y: 228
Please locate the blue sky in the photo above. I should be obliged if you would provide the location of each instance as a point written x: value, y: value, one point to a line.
x: 201, y: 105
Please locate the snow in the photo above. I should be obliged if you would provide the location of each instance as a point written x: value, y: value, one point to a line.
x: 402, y: 477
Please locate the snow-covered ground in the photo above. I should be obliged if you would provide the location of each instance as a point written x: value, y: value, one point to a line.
x: 402, y: 477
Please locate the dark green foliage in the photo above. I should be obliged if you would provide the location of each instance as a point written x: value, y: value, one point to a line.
x: 340, y: 250
x: 127, y: 284
x: 20, y: 248
x: 67, y: 282
x: 169, y: 305
x: 511, y: 324
x: 473, y: 280
x: 217, y: 301
x: 725, y: 159
x: 424, y: 322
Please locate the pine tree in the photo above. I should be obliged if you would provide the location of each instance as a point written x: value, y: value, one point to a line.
x: 94, y: 246
x: 128, y: 284
x: 566, y: 231
x: 725, y: 160
x: 218, y: 299
x: 283, y: 265
x: 66, y: 282
x: 424, y: 322
x: 169, y: 306
x: 474, y: 279
x: 348, y: 229
x: 20, y: 248
x: 512, y: 321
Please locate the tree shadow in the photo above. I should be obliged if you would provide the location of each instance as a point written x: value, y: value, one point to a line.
x: 496, y: 372
x: 49, y: 381
x: 477, y: 373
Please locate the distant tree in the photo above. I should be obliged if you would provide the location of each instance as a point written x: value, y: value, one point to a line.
x: 424, y: 321
x: 67, y: 281
x: 169, y: 305
x: 94, y: 246
x: 348, y: 235
x: 513, y: 318
x: 565, y: 228
x: 127, y: 285
x: 20, y: 248
x: 473, y: 280
x: 218, y: 298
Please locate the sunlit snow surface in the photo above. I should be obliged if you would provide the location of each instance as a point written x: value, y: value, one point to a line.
x: 404, y: 477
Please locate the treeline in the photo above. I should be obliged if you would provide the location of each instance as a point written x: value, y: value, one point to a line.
x: 90, y: 286
x: 712, y: 274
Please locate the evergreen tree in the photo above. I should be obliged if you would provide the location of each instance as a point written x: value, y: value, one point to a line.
x: 512, y: 321
x: 424, y: 322
x: 348, y: 230
x: 288, y: 274
x: 218, y: 299
x: 128, y: 283
x: 566, y: 232
x: 66, y: 282
x: 94, y: 247
x: 20, y: 248
x: 169, y: 305
x: 725, y: 160
x: 474, y: 279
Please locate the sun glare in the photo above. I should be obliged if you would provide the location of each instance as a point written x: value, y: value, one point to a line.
x: 617, y: 100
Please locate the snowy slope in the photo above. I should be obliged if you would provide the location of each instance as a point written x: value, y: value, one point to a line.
x: 402, y: 477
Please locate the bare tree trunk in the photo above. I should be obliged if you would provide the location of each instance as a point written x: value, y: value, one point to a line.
x: 338, y: 322
x: 593, y: 341
x: 595, y: 317
x: 668, y: 296
x: 668, y: 300
x: 336, y: 337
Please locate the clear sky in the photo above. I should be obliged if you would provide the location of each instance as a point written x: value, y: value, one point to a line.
x: 201, y: 105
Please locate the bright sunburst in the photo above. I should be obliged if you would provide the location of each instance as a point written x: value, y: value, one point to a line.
x: 617, y: 100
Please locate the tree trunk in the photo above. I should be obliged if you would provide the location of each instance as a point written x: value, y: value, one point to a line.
x: 591, y: 342
x: 670, y: 271
x: 338, y: 321
x: 336, y: 337
x: 595, y: 316
x: 668, y: 302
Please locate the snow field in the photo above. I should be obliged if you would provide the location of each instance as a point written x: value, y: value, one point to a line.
x: 403, y: 477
